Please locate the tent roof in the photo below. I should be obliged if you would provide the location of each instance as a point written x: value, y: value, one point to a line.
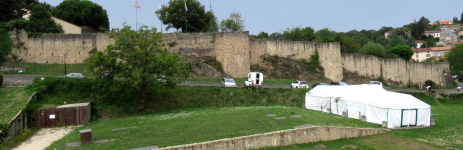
x: 369, y: 94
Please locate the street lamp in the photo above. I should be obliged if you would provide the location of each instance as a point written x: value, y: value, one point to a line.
x: 64, y: 55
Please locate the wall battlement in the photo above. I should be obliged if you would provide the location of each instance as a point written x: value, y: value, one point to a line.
x: 235, y: 51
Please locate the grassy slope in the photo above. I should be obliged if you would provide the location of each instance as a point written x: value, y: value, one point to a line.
x: 198, y: 125
x: 11, y: 102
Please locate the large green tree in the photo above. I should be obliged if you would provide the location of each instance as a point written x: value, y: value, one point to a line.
x: 11, y: 9
x: 275, y: 36
x: 41, y: 21
x: 234, y: 23
x: 193, y: 19
x: 141, y: 58
x: 455, y: 58
x: 325, y: 35
x: 299, y: 34
x: 6, y: 44
x: 82, y: 13
x: 461, y: 18
x: 403, y: 51
x: 417, y: 28
x: 29, y: 4
x: 262, y: 35
x: 375, y: 49
x: 361, y: 38
x: 349, y: 46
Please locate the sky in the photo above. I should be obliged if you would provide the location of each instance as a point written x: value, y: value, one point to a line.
x: 277, y: 15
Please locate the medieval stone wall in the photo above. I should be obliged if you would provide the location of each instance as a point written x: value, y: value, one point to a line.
x: 396, y: 71
x: 236, y: 52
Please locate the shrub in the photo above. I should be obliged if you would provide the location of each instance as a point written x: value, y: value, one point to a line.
x: 374, y: 49
x: 430, y: 83
x: 6, y: 44
x: 314, y: 61
x: 5, y: 130
x: 1, y: 79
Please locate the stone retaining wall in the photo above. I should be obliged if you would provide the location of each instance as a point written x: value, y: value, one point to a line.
x: 282, y: 138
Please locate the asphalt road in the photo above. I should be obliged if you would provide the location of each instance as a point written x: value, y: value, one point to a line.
x: 27, y: 79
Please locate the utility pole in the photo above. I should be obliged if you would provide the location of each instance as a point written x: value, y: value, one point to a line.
x: 65, y: 54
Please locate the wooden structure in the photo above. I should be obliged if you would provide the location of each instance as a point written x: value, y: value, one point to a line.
x: 65, y: 115
x: 85, y: 136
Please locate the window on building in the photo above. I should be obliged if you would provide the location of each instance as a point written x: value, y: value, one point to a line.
x: 428, y: 55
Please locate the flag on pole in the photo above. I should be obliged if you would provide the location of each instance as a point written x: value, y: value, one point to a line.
x: 186, y: 7
x: 136, y: 5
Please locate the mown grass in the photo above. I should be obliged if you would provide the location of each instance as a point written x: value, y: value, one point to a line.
x: 12, y: 101
x: 50, y: 69
x: 199, y: 125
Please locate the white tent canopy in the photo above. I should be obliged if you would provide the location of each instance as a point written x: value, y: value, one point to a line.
x: 375, y: 103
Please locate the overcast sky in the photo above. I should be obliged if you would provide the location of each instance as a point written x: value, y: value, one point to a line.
x: 276, y: 15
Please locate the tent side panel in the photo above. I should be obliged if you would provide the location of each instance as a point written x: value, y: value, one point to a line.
x: 315, y: 103
x: 375, y: 114
x: 394, y: 118
x: 424, y: 117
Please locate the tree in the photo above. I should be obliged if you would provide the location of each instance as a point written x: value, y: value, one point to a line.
x: 82, y: 13
x: 6, y: 44
x: 234, y: 23
x: 275, y: 36
x: 11, y: 9
x: 461, y: 18
x: 455, y: 19
x: 361, y: 39
x: 325, y: 35
x: 396, y: 40
x: 299, y: 34
x: 383, y: 41
x: 41, y: 21
x: 349, y: 44
x: 141, y: 58
x: 417, y: 28
x: 194, y: 19
x: 262, y: 35
x: 403, y: 51
x: 410, y: 41
x: 29, y: 4
x: 455, y: 58
x: 374, y: 49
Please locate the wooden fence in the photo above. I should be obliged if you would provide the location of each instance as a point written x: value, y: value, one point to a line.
x: 65, y: 115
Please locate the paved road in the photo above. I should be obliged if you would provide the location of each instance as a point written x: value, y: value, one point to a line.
x: 27, y: 79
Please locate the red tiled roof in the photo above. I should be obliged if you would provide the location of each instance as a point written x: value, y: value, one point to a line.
x: 438, y: 31
x: 443, y: 22
x: 421, y: 50
x: 440, y: 48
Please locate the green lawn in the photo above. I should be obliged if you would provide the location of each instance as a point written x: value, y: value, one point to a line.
x: 51, y: 69
x: 12, y: 100
x: 199, y: 125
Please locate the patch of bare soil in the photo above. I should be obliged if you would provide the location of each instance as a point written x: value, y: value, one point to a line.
x: 44, y: 137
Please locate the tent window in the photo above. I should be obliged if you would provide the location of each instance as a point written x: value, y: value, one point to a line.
x: 409, y: 117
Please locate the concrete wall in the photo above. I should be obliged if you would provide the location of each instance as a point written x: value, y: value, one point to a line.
x: 396, y: 70
x: 282, y: 138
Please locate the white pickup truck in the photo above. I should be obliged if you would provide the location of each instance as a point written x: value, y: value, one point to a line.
x: 254, y: 79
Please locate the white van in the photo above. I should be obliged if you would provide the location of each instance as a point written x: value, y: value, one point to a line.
x: 254, y: 78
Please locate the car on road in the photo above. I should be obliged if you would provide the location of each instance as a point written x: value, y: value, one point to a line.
x: 74, y: 75
x: 374, y: 83
x: 338, y: 83
x: 299, y: 84
x: 228, y: 82
x: 319, y: 83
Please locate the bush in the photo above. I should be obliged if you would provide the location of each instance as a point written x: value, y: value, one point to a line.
x: 6, y: 44
x: 430, y: 83
x: 374, y: 49
x: 314, y: 61
x: 1, y: 79
x: 5, y: 130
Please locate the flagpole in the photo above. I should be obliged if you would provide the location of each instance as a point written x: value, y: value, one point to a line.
x: 136, y: 17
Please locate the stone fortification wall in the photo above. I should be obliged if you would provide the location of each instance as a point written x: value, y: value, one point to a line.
x: 232, y: 50
x: 282, y: 138
x: 330, y: 60
x: 102, y: 41
x: 191, y: 44
x: 395, y: 71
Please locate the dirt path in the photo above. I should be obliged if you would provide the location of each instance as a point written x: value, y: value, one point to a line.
x: 44, y: 137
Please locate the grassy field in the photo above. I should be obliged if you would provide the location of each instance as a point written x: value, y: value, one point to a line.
x: 198, y: 125
x: 12, y: 100
x: 50, y: 69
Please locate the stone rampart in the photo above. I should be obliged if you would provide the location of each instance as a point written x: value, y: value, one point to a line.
x: 235, y: 51
x: 282, y: 138
x: 395, y: 71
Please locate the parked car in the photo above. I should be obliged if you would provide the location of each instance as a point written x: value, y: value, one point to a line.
x: 299, y: 84
x: 373, y: 83
x: 228, y: 82
x: 338, y: 83
x: 74, y: 75
x: 254, y: 78
x: 319, y: 83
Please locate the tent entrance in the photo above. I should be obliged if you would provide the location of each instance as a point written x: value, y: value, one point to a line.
x: 409, y: 117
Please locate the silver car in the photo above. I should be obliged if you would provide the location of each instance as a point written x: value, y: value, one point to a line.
x: 228, y: 82
x: 74, y: 75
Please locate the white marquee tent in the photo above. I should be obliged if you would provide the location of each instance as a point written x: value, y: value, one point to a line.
x: 377, y: 104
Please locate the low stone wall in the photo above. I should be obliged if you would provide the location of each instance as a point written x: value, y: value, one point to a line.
x: 282, y: 138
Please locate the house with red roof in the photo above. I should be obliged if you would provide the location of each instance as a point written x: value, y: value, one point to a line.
x: 421, y: 54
